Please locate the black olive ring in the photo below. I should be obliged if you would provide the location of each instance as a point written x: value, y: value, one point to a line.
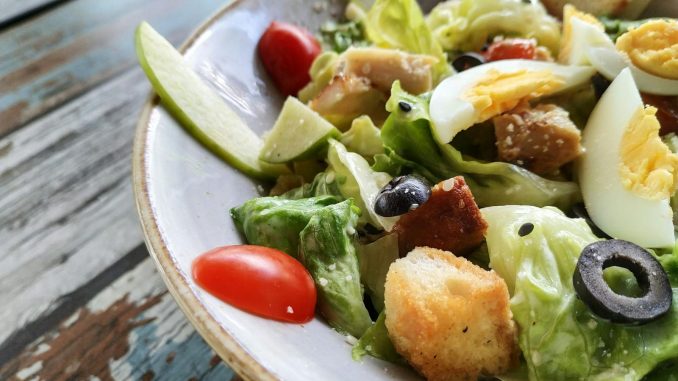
x: 593, y: 290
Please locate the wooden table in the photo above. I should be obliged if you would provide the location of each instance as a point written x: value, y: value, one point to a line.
x: 80, y: 296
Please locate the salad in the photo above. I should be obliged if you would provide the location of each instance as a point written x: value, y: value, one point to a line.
x: 482, y: 191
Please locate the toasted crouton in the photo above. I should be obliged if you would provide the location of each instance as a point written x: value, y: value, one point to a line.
x: 449, y: 318
x: 449, y: 220
x: 541, y: 139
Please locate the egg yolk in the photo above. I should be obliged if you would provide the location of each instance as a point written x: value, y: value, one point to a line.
x: 571, y: 12
x: 648, y: 168
x: 653, y: 47
x: 499, y: 92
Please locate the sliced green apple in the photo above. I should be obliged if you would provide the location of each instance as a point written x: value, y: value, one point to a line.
x: 199, y: 109
x: 298, y: 133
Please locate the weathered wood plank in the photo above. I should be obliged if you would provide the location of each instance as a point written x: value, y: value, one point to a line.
x: 54, y: 56
x: 12, y: 9
x: 132, y: 330
x: 66, y: 205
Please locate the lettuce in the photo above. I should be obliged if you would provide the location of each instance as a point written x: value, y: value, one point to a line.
x: 376, y: 343
x: 558, y: 335
x: 400, y: 24
x: 355, y: 179
x: 465, y: 25
x: 318, y: 232
x: 375, y: 259
x: 363, y: 138
x: 408, y: 135
x: 327, y: 252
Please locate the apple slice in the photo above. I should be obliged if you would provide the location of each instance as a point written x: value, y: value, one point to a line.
x: 199, y: 109
x: 299, y: 133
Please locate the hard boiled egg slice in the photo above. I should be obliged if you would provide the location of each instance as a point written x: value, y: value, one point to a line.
x: 627, y: 174
x: 585, y: 42
x: 478, y: 94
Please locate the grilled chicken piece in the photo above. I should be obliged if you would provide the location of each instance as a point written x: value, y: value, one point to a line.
x: 383, y: 66
x: 450, y: 220
x: 540, y: 139
x: 348, y: 97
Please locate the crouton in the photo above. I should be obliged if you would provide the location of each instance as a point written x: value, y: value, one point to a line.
x: 449, y: 220
x: 449, y: 318
x: 540, y: 139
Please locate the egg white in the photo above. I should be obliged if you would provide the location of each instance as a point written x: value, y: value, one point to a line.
x: 590, y: 45
x: 614, y: 209
x: 451, y: 114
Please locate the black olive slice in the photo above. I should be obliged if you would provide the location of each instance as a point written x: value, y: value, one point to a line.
x: 402, y: 194
x: 593, y: 290
x: 467, y: 60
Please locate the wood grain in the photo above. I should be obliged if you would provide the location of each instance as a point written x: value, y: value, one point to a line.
x: 13, y: 9
x: 130, y: 331
x: 66, y: 206
x: 52, y: 57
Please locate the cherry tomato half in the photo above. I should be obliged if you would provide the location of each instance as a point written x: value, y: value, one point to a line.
x: 259, y: 280
x: 512, y: 48
x: 287, y: 52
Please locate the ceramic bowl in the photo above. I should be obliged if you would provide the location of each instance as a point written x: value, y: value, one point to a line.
x: 183, y: 195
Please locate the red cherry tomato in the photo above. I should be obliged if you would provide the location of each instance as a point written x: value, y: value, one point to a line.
x: 259, y: 280
x: 287, y: 52
x: 512, y: 48
x: 667, y: 111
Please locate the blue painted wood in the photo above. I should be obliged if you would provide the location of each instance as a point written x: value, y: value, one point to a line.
x: 49, y: 58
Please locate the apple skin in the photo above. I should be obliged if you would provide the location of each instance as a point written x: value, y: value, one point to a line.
x: 198, y: 109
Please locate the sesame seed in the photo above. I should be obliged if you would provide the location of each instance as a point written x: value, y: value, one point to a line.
x: 349, y: 277
x: 290, y: 310
x: 323, y: 282
x: 332, y: 267
x: 448, y: 185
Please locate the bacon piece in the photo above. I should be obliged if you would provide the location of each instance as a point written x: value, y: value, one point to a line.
x: 450, y: 220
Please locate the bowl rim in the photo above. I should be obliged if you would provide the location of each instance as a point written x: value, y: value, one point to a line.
x: 221, y: 341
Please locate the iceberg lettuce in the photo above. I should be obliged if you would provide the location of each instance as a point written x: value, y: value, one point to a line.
x: 465, y: 25
x: 356, y: 179
x: 559, y: 337
x: 400, y: 24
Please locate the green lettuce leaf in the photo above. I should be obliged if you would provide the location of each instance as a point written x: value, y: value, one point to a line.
x: 400, y: 24
x: 363, y: 138
x: 323, y: 185
x: 276, y: 222
x: 375, y: 259
x: 355, y: 179
x: 559, y: 337
x: 376, y: 343
x: 327, y: 253
x: 318, y: 232
x: 409, y: 135
x: 465, y: 25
